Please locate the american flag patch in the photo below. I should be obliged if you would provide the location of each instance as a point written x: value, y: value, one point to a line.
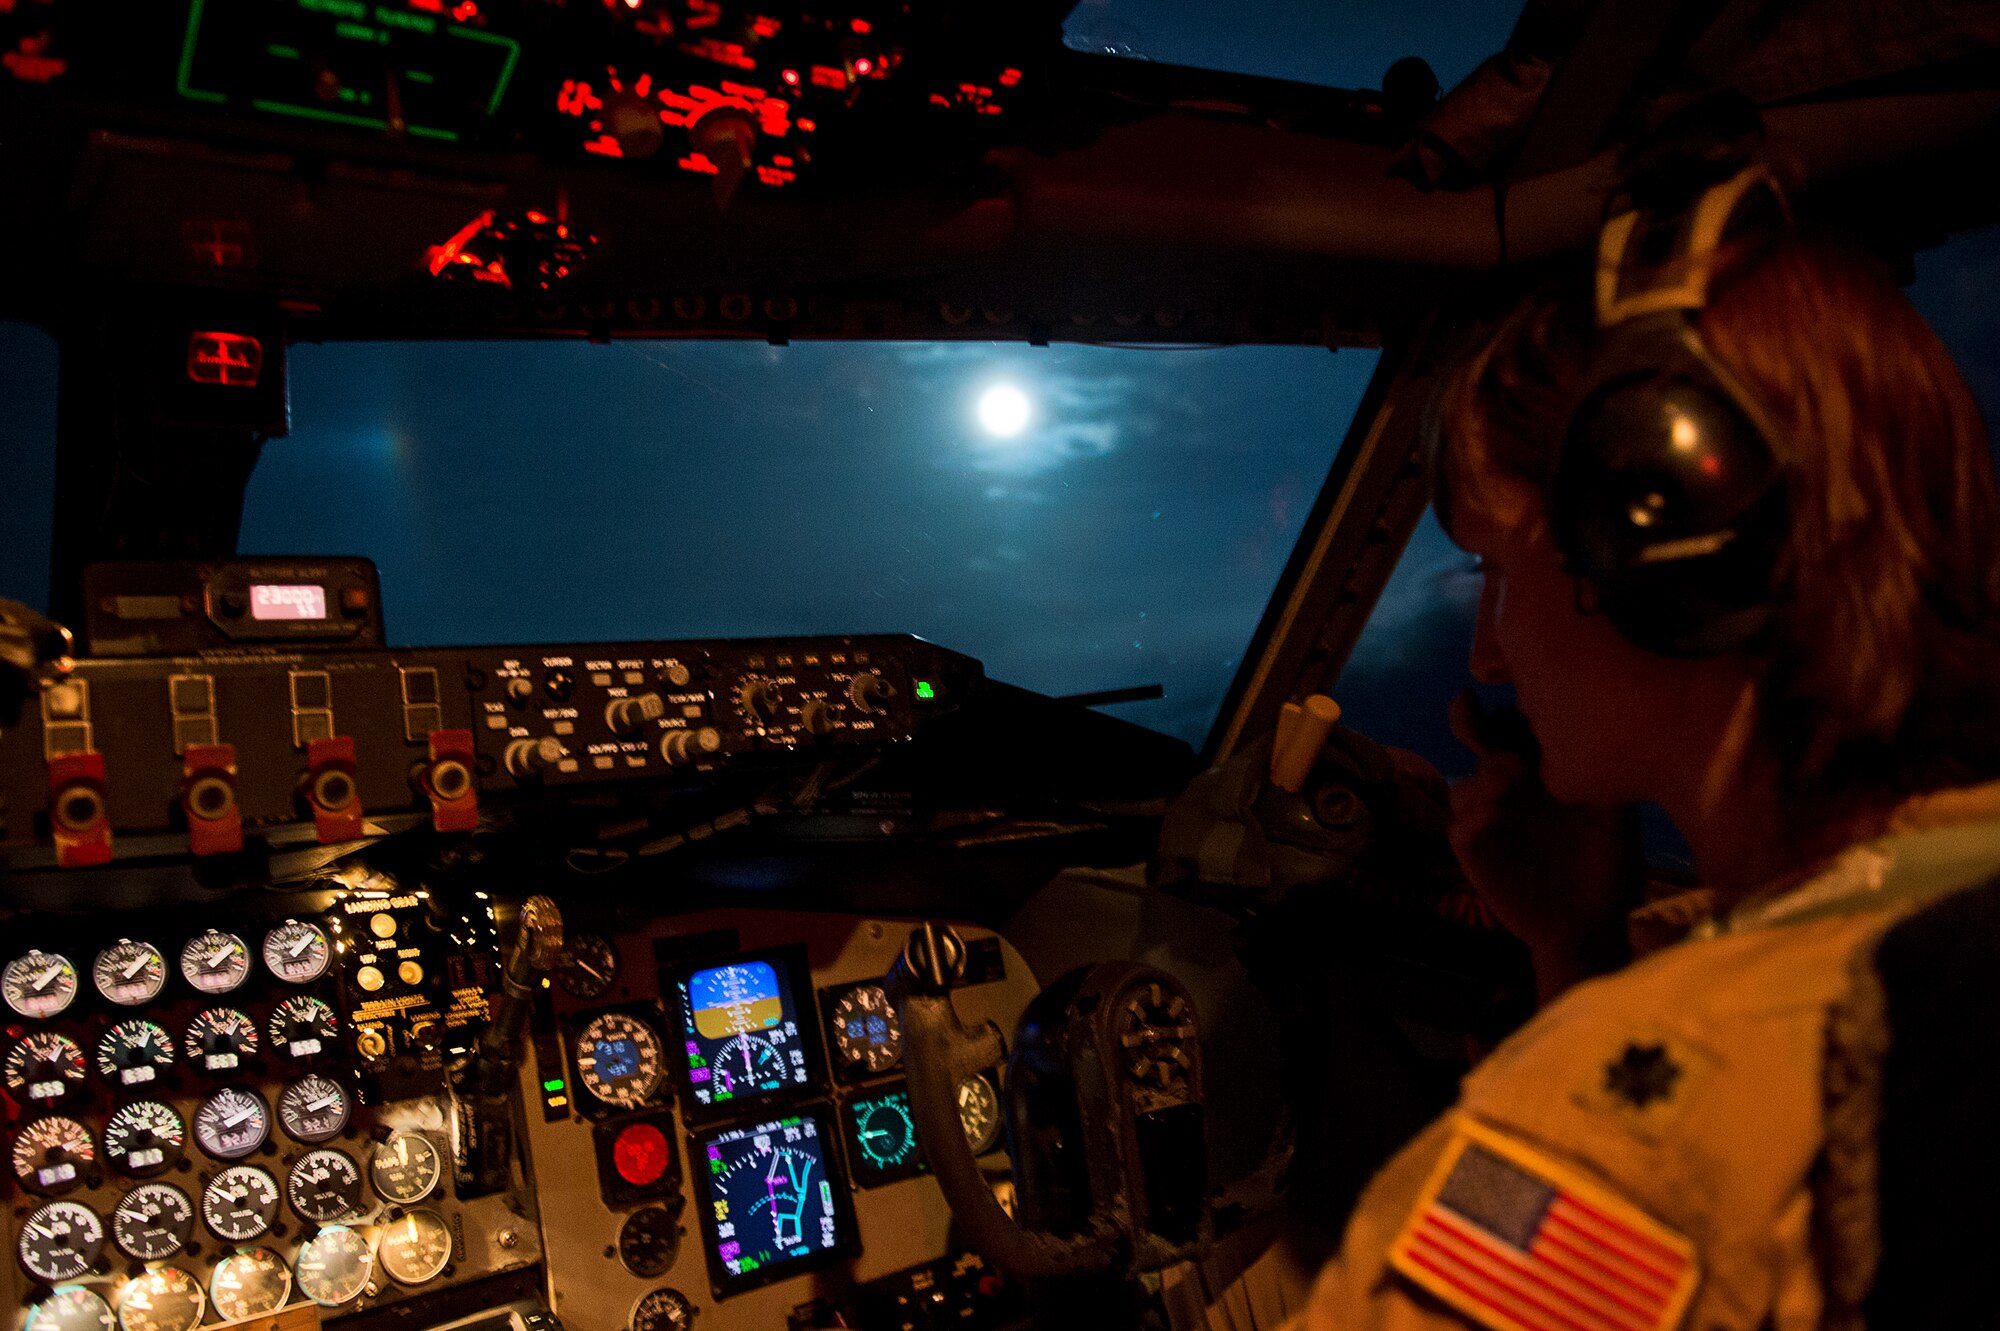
x: 1519, y: 1242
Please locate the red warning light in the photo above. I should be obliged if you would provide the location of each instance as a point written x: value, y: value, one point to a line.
x: 791, y: 77
x: 1009, y: 77
x: 862, y: 25
x: 230, y: 360
x: 641, y: 1155
x: 864, y: 66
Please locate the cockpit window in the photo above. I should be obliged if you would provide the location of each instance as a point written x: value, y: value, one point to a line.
x: 1080, y: 518
x: 1306, y: 41
x: 27, y: 460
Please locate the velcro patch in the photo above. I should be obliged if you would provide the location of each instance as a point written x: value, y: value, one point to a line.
x: 1517, y: 1241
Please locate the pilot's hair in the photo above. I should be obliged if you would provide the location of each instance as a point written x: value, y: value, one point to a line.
x: 1881, y: 669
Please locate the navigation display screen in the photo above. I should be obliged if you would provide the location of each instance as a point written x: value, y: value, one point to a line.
x: 740, y: 1033
x: 882, y: 1137
x: 774, y: 1206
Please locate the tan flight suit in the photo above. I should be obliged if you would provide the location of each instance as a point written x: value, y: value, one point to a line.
x: 1695, y: 1085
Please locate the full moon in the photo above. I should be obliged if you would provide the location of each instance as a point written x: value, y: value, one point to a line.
x: 1004, y: 410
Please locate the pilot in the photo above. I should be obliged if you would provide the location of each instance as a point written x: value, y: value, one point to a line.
x: 1741, y: 548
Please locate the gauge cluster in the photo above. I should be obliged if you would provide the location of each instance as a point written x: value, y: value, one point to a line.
x: 200, y: 1139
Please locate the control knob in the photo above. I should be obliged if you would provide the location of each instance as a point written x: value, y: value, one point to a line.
x: 529, y: 757
x: 871, y: 692
x: 690, y: 746
x: 815, y: 716
x: 626, y: 715
x: 759, y: 698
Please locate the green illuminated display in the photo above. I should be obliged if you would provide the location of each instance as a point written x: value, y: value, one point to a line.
x: 924, y: 689
x: 346, y: 62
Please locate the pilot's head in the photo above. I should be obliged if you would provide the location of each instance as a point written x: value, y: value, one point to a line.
x: 1865, y: 667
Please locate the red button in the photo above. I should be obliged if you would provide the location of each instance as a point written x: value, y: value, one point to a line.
x: 641, y: 1155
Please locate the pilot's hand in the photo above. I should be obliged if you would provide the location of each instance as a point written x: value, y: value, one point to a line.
x: 1560, y: 877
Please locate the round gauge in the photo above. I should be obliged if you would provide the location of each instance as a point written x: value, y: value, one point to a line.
x: 334, y: 1266
x: 618, y: 1060
x: 663, y: 1310
x: 415, y: 1247
x: 325, y: 1186
x: 589, y: 966
x: 249, y: 1283
x: 314, y: 1108
x: 166, y: 1298
x: 39, y: 985
x: 884, y: 1132
x: 61, y: 1241
x: 71, y: 1308
x: 220, y: 1038
x: 405, y: 1168
x: 302, y: 1026
x: 133, y: 1053
x: 51, y: 1154
x: 45, y: 1068
x: 152, y: 1222
x: 866, y: 1034
x: 240, y: 1203
x: 647, y: 1241
x: 748, y: 1061
x: 130, y: 972
x: 296, y: 951
x: 215, y: 962
x: 231, y: 1123
x: 144, y: 1138
x: 979, y: 1113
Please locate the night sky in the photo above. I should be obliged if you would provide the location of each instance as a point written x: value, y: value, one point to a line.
x: 1131, y: 533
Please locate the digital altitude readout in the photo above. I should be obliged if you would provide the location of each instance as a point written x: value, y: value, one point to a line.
x: 773, y: 1203
x: 740, y: 1032
x: 281, y: 600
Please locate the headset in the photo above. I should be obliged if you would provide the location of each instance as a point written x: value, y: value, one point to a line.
x: 1668, y: 498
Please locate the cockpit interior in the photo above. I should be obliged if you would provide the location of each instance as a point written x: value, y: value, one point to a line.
x: 514, y: 812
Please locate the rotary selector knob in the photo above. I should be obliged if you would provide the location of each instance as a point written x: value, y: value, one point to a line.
x: 520, y: 690
x: 625, y: 715
x: 530, y: 757
x: 759, y: 698
x: 816, y: 716
x: 690, y: 746
x: 871, y: 692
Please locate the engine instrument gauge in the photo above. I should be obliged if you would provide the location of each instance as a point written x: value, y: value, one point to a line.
x: 220, y: 1038
x: 240, y: 1203
x: 215, y: 962
x: 61, y: 1241
x: 334, y: 1266
x: 39, y: 985
x: 325, y: 1186
x: 647, y: 1241
x: 405, y: 1168
x: 302, y: 1026
x: 314, y: 1108
x: 135, y: 1052
x: 618, y: 1060
x: 71, y: 1308
x: 45, y: 1068
x: 663, y: 1310
x: 231, y: 1123
x: 249, y: 1283
x: 51, y: 1154
x: 867, y: 1037
x: 130, y: 972
x: 589, y: 966
x: 166, y: 1298
x: 979, y: 1113
x: 152, y: 1222
x: 415, y: 1247
x: 144, y: 1138
x: 297, y: 952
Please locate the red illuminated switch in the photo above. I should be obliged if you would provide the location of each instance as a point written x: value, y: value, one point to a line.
x: 229, y: 360
x: 208, y: 795
x: 331, y: 789
x: 78, y: 816
x: 448, y: 782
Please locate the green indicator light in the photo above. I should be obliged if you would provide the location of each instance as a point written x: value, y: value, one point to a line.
x: 284, y: 52
x: 553, y: 1085
x: 337, y: 8
x: 396, y: 18
x: 418, y: 76
x: 924, y: 689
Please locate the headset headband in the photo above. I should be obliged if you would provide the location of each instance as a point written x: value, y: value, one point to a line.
x: 1630, y: 284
